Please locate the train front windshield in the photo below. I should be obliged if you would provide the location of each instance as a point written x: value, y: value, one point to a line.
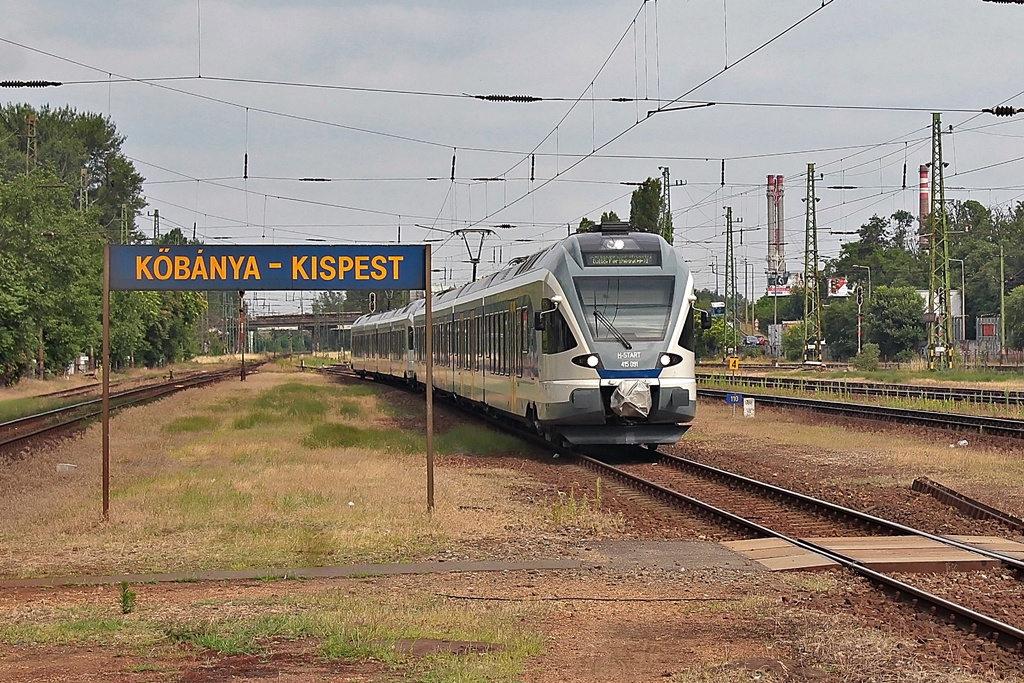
x: 636, y: 308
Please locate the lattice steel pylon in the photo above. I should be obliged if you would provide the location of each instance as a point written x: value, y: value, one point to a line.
x: 731, y: 300
x: 31, y: 160
x: 665, y: 215
x: 813, y: 343
x: 940, y: 322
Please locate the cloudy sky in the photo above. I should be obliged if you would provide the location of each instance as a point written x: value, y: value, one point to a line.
x: 377, y: 97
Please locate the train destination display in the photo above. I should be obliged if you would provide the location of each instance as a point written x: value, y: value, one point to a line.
x: 278, y: 267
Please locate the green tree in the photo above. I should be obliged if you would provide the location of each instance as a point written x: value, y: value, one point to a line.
x: 839, y: 325
x: 1015, y: 318
x: 714, y: 341
x: 51, y: 257
x: 793, y: 342
x: 894, y: 321
x: 68, y: 141
x: 645, y: 206
x: 586, y: 225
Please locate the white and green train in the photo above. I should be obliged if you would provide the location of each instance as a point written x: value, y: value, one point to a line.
x: 589, y: 342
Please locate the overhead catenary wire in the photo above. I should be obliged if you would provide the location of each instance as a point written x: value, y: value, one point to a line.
x: 627, y: 129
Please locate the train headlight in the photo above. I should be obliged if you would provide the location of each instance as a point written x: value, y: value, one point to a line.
x: 669, y: 359
x: 591, y: 360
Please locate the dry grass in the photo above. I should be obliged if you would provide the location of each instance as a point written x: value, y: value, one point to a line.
x: 894, y: 460
x: 352, y: 621
x: 192, y: 489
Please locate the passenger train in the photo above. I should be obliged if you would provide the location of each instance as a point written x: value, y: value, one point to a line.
x: 589, y: 341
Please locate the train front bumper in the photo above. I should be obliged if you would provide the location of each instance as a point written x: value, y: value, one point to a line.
x: 588, y: 402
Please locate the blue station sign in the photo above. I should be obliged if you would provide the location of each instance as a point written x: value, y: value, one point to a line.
x: 277, y: 267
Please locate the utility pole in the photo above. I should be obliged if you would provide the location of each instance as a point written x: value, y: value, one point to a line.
x: 125, y: 230
x: 156, y: 225
x: 1002, y: 308
x: 83, y: 189
x: 812, y: 294
x: 940, y: 322
x: 30, y: 146
x: 241, y: 330
x: 730, y: 278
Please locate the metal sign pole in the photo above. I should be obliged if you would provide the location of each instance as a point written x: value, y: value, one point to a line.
x: 429, y: 353
x: 105, y: 410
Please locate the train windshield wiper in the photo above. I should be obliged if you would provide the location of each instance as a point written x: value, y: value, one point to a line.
x: 598, y: 315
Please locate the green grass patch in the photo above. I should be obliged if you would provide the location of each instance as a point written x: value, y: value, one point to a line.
x: 336, y: 435
x: 192, y: 423
x: 251, y: 420
x: 358, y: 390
x: 474, y: 439
x: 75, y: 627
x: 15, y: 408
x: 354, y: 628
x: 349, y: 409
x: 464, y: 439
x: 313, y: 361
x: 233, y: 638
x: 294, y: 401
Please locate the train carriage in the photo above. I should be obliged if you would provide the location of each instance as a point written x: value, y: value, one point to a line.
x: 590, y: 341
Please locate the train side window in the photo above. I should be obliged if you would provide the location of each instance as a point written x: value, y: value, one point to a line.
x: 557, y: 335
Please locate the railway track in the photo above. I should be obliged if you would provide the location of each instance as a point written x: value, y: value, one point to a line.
x: 14, y: 433
x: 834, y: 387
x: 980, y: 424
x: 801, y: 515
x: 792, y: 515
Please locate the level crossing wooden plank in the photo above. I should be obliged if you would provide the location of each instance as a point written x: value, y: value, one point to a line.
x: 882, y: 553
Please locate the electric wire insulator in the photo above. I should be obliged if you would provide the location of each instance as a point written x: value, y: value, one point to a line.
x: 1003, y: 111
x: 508, y: 98
x: 29, y: 84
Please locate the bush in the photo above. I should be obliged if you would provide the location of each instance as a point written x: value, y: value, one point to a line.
x: 867, y: 359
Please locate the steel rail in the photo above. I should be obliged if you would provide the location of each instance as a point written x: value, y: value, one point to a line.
x: 998, y: 426
x: 862, y: 517
x: 1007, y: 636
x: 24, y: 427
x: 839, y: 386
x: 969, y: 506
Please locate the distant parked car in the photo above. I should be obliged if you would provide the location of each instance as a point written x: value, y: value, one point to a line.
x: 754, y: 340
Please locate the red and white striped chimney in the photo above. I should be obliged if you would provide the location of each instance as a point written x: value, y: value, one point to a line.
x: 924, y: 232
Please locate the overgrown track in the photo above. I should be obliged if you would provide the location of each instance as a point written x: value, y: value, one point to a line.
x: 877, y: 389
x: 996, y: 426
x: 17, y: 432
x: 1006, y: 635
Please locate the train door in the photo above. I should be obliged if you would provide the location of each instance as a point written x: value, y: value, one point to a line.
x: 481, y: 356
x: 459, y: 361
x: 512, y: 353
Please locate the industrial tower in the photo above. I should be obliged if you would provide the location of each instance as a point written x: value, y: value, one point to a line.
x: 777, y: 277
x: 813, y: 343
x: 938, y: 316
